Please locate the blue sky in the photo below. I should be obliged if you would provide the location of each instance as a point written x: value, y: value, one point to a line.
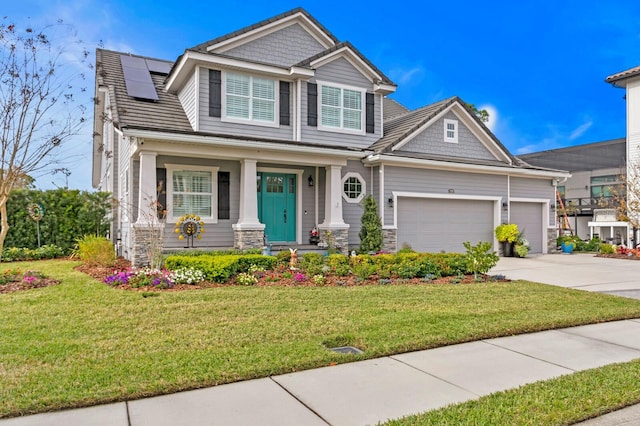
x: 537, y: 67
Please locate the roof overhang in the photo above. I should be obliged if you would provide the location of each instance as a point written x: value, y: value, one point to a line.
x: 239, y: 148
x: 183, y: 69
x: 365, y: 69
x: 393, y: 160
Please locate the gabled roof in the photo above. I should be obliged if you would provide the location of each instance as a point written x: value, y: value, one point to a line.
x: 309, y: 62
x: 623, y: 75
x: 207, y: 45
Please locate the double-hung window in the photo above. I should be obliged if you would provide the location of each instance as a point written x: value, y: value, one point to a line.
x: 341, y: 108
x: 250, y: 98
x: 192, y: 191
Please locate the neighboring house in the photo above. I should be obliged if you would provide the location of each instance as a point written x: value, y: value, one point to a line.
x: 279, y: 127
x: 597, y: 179
x: 630, y: 81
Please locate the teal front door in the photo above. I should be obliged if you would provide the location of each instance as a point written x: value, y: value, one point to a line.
x: 277, y: 206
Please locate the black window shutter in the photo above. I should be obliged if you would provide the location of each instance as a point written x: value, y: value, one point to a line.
x: 224, y: 205
x: 215, y: 93
x: 312, y: 104
x: 284, y: 103
x: 370, y: 113
x: 161, y: 185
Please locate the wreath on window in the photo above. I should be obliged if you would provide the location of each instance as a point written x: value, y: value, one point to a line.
x: 189, y: 226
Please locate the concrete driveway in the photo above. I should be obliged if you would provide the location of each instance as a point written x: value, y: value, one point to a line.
x: 580, y: 271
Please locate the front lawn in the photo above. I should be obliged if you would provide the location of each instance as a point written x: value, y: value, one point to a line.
x: 82, y: 342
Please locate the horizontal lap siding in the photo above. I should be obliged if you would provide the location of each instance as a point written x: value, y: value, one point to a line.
x: 340, y: 71
x: 216, y: 125
x: 187, y: 98
x: 440, y: 182
x: 216, y: 234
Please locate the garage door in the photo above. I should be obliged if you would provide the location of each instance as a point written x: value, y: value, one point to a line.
x: 528, y: 217
x: 434, y: 225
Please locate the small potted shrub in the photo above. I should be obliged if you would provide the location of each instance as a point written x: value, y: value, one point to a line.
x: 507, y: 234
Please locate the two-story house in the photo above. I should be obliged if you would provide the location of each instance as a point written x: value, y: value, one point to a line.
x: 277, y: 128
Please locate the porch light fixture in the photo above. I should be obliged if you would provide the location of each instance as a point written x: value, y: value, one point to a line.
x: 310, y: 180
x: 505, y: 206
x: 390, y: 202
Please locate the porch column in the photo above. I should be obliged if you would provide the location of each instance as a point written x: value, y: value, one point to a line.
x: 248, y: 231
x: 147, y: 193
x: 334, y: 230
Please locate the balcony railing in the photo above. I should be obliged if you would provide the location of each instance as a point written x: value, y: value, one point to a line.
x: 583, y: 206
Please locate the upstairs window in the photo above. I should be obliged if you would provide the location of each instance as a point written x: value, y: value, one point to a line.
x: 341, y: 108
x: 450, y: 130
x: 249, y: 98
x: 607, y: 186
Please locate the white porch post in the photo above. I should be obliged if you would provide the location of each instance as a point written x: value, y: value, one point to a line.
x: 147, y: 193
x: 333, y: 199
x: 248, y: 215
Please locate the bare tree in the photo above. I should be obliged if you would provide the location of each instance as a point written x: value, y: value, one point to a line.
x: 38, y: 112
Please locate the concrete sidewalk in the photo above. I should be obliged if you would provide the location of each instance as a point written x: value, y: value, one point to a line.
x: 372, y: 391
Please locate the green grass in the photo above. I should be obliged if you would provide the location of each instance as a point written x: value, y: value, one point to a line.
x: 82, y: 343
x: 561, y: 401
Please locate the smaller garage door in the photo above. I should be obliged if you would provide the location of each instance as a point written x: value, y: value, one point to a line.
x: 528, y: 217
x: 434, y: 225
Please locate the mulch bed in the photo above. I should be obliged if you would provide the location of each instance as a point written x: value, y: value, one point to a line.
x: 11, y: 287
x: 617, y: 256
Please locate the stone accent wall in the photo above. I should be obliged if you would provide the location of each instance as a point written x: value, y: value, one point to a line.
x: 144, y: 239
x: 389, y: 240
x: 551, y: 241
x: 339, y: 239
x: 248, y: 238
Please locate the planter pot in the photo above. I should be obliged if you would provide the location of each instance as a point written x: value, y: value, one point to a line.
x: 507, y: 249
x: 567, y: 247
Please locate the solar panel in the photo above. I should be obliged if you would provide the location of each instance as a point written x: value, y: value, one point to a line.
x: 137, y: 78
x: 158, y: 67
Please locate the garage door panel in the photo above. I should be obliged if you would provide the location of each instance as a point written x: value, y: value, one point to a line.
x: 528, y: 217
x: 434, y: 225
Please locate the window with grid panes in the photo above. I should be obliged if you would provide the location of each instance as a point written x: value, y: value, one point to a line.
x: 353, y: 187
x: 341, y: 108
x: 192, y: 192
x: 451, y: 130
x: 250, y: 98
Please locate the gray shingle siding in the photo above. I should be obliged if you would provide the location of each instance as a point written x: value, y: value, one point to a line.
x: 431, y: 141
x: 216, y: 125
x: 284, y: 47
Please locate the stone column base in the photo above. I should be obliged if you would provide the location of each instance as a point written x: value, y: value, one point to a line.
x: 389, y: 240
x: 337, y: 238
x: 552, y: 240
x: 244, y: 239
x: 146, y: 242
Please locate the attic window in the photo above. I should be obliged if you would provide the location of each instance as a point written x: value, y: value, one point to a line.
x: 450, y: 130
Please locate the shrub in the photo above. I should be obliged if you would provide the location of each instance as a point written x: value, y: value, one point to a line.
x: 408, y: 268
x: 95, y: 250
x: 507, y: 232
x: 371, y: 229
x: 246, y: 261
x: 481, y: 257
x: 338, y: 264
x: 215, y: 268
x: 312, y: 263
x: 11, y: 254
x: 283, y: 257
x: 606, y: 248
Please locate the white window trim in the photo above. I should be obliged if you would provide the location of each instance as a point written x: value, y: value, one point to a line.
x: 171, y: 168
x: 363, y: 183
x: 276, y: 106
x: 363, y: 105
x: 453, y: 139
